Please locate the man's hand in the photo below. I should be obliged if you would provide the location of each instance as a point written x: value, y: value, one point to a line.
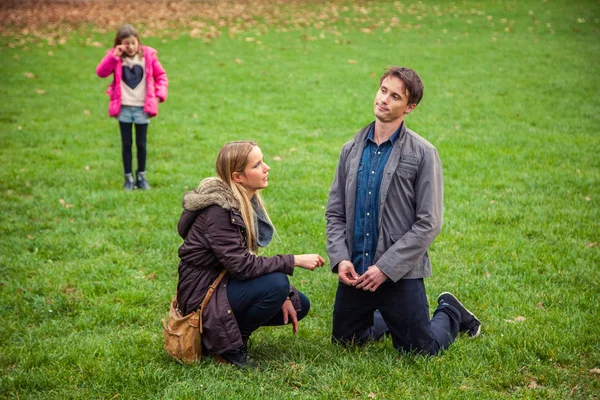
x: 289, y: 312
x: 371, y: 279
x: 346, y: 273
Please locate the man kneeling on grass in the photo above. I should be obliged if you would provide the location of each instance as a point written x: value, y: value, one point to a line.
x: 385, y: 209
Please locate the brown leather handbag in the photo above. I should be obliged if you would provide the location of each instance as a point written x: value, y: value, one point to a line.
x: 183, y: 335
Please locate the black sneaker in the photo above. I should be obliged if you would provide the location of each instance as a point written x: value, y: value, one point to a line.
x: 129, y: 183
x: 141, y: 182
x: 469, y: 322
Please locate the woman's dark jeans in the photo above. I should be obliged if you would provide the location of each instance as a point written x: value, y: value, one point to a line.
x: 257, y: 302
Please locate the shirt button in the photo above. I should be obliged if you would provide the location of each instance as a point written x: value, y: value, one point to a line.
x: 378, y: 152
x: 367, y: 254
x: 368, y: 214
x: 228, y: 311
x: 367, y: 234
x: 232, y: 219
x: 372, y: 172
x: 369, y: 192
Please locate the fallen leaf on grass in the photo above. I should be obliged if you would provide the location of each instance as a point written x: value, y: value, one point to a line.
x: 152, y: 276
x: 594, y: 370
x: 516, y: 319
x: 352, y: 62
x: 40, y: 91
x: 591, y: 244
x: 86, y: 112
x: 65, y: 204
x: 237, y: 60
x: 488, y: 275
x: 30, y: 237
x: 588, y: 198
x: 372, y: 395
x: 292, y: 149
x: 534, y: 385
x: 540, y: 305
x: 277, y: 158
x: 87, y: 167
x: 29, y: 75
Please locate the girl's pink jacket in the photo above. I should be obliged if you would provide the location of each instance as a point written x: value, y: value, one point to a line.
x: 156, y: 81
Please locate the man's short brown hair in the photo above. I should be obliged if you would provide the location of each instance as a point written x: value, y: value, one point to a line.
x: 412, y: 82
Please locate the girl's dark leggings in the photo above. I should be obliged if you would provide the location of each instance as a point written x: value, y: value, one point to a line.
x: 141, y: 132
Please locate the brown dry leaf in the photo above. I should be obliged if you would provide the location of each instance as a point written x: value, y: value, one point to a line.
x: 69, y: 290
x: 20, y: 127
x: 540, y: 305
x: 65, y: 204
x: 30, y: 237
x: 488, y: 275
x: 594, y: 244
x: 516, y: 319
x: 457, y: 127
x: 29, y: 75
x: 534, y: 385
x: 594, y: 370
x: 588, y: 198
x: 352, y: 62
x: 87, y: 167
x: 293, y: 149
x: 152, y: 276
x: 27, y: 183
x: 239, y: 61
x: 372, y: 395
x: 50, y: 53
x: 40, y: 91
x: 276, y: 158
x: 86, y: 112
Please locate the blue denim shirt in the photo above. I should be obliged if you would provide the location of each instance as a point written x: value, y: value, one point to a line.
x: 370, y: 173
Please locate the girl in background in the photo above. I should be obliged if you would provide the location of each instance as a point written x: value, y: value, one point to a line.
x: 139, y: 84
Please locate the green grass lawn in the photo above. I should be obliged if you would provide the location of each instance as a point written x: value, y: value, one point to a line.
x: 511, y: 102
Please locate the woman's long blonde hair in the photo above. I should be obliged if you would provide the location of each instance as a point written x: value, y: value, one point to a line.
x: 233, y: 157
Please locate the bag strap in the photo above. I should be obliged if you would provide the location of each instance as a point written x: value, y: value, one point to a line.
x: 211, y: 290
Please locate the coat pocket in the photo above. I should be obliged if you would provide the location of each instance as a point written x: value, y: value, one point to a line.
x: 407, y: 167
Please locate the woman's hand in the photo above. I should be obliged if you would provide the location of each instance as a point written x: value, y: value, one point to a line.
x: 289, y: 312
x: 309, y: 261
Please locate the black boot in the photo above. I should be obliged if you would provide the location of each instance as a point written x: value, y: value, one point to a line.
x: 129, y: 184
x: 238, y: 357
x: 140, y: 180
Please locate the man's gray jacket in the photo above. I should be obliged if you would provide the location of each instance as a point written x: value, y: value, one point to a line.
x: 410, y: 205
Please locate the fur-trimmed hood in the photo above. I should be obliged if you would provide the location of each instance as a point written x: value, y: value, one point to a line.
x: 211, y: 191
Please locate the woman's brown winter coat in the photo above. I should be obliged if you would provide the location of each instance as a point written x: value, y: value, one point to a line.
x: 214, y: 238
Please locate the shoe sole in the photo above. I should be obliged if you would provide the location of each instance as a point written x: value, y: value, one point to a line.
x: 466, y: 309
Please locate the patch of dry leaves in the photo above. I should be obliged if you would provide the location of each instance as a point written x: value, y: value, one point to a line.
x: 53, y: 20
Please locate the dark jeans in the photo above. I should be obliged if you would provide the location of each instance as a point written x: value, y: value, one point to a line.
x: 257, y: 302
x: 141, y: 133
x: 404, y: 308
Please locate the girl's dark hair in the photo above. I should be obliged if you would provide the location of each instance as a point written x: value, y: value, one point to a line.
x: 126, y: 31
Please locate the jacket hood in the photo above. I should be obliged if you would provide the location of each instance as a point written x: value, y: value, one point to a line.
x: 211, y: 191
